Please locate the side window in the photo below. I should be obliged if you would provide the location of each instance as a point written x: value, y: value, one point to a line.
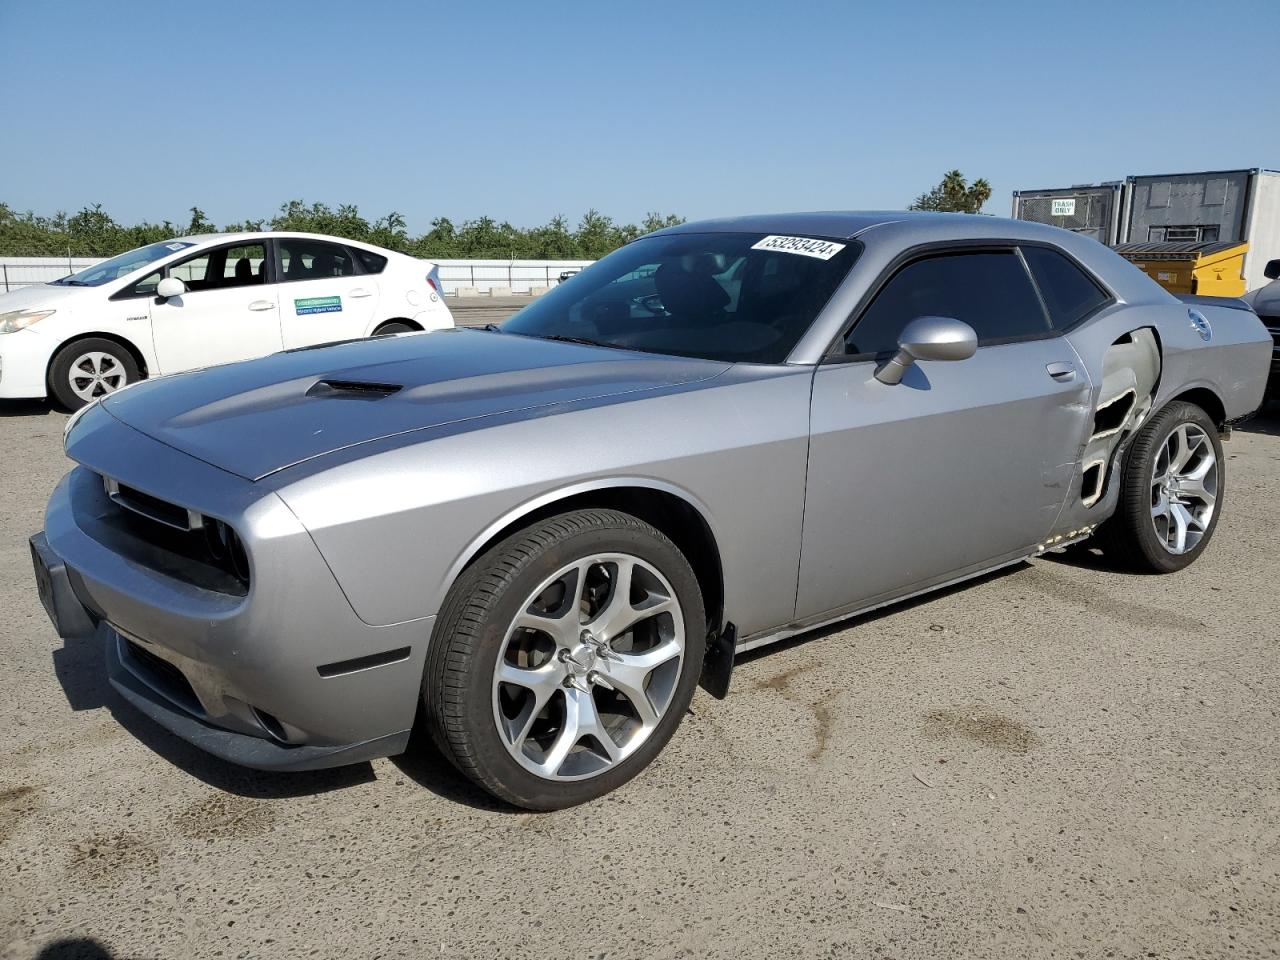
x: 244, y: 266
x: 989, y: 290
x: 1067, y: 290
x: 370, y: 261
x: 313, y: 260
x: 222, y: 268
x: 195, y: 271
x: 146, y: 287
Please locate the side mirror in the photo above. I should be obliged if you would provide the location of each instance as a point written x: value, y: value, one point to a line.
x: 1272, y: 270
x: 929, y: 338
x: 170, y: 287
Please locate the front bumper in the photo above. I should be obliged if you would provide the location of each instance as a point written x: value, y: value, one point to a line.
x: 127, y: 674
x: 24, y: 362
x: 286, y: 677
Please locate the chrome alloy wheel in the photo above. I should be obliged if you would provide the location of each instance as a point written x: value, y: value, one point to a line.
x: 95, y: 374
x: 588, y: 667
x: 1184, y: 488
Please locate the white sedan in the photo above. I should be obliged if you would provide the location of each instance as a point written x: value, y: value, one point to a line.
x: 203, y: 300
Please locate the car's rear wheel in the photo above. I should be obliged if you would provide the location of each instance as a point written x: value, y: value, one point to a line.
x: 564, y: 658
x: 86, y: 370
x: 1171, y: 492
x: 394, y: 326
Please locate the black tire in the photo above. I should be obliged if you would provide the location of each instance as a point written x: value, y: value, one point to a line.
x: 77, y: 352
x: 394, y: 326
x: 1129, y: 538
x: 471, y: 629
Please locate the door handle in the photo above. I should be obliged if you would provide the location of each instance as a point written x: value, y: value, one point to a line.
x: 262, y: 305
x: 1064, y: 371
x: 358, y: 292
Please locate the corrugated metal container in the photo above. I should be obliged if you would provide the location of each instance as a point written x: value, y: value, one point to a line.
x: 1091, y: 209
x: 1206, y: 207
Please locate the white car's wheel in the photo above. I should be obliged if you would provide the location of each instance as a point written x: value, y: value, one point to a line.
x: 86, y: 370
x: 564, y: 658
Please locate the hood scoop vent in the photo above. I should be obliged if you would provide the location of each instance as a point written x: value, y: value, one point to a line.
x: 353, y: 389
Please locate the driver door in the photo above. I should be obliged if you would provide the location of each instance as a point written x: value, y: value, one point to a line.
x: 961, y: 465
x: 228, y: 312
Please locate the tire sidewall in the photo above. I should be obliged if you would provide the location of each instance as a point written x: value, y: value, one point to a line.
x: 1138, y: 481
x: 488, y: 749
x: 60, y: 368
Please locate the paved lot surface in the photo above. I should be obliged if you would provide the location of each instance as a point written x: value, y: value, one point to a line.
x: 477, y: 311
x: 1059, y: 761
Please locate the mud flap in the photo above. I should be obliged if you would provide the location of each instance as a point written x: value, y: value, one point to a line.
x: 717, y: 664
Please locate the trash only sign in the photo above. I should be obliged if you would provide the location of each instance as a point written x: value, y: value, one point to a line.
x: 1064, y: 208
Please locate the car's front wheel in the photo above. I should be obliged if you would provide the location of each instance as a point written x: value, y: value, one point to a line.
x: 1171, y: 492
x: 564, y: 658
x: 86, y: 370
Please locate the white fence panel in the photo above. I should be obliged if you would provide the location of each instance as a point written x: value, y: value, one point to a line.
x: 16, y: 272
x: 518, y: 276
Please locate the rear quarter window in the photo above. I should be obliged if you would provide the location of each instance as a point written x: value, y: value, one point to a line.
x: 371, y: 262
x: 1069, y: 293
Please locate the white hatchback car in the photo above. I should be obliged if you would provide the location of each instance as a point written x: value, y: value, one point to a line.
x: 203, y: 300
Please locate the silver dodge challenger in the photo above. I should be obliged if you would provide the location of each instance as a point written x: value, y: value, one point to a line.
x: 538, y: 538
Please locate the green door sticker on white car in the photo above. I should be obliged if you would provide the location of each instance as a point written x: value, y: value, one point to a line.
x: 318, y: 305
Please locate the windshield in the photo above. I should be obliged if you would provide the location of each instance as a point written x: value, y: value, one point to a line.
x: 123, y: 265
x: 734, y: 297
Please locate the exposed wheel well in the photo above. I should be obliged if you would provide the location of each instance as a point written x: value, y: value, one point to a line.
x: 405, y: 320
x: 1206, y: 400
x: 675, y: 517
x: 121, y: 341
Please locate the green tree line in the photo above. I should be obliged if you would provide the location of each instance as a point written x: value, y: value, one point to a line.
x: 95, y: 233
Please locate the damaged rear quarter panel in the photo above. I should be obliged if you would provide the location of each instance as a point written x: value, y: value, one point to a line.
x: 1232, y: 365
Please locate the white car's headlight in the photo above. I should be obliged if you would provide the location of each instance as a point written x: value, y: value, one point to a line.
x: 16, y: 320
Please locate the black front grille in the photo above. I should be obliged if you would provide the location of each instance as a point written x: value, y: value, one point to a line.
x: 151, y: 507
x: 145, y: 529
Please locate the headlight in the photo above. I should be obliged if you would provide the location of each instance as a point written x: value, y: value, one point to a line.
x: 16, y: 320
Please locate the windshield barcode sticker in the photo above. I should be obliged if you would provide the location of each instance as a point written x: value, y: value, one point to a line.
x: 805, y: 246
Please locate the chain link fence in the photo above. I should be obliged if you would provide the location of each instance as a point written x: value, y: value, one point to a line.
x: 1091, y: 212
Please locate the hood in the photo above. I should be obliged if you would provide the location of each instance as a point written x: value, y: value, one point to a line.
x: 260, y: 416
x: 39, y: 296
x: 1266, y: 300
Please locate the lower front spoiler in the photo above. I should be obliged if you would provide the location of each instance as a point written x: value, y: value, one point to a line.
x: 56, y: 584
x: 239, y: 748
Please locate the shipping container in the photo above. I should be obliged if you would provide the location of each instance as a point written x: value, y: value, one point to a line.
x: 1092, y: 209
x: 1207, y: 207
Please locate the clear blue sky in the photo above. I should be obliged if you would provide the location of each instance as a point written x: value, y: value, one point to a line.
x: 521, y: 110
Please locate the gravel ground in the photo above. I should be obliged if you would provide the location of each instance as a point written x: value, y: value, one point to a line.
x: 1057, y: 761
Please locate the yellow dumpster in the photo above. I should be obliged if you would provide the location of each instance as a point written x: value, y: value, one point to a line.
x: 1212, y: 269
